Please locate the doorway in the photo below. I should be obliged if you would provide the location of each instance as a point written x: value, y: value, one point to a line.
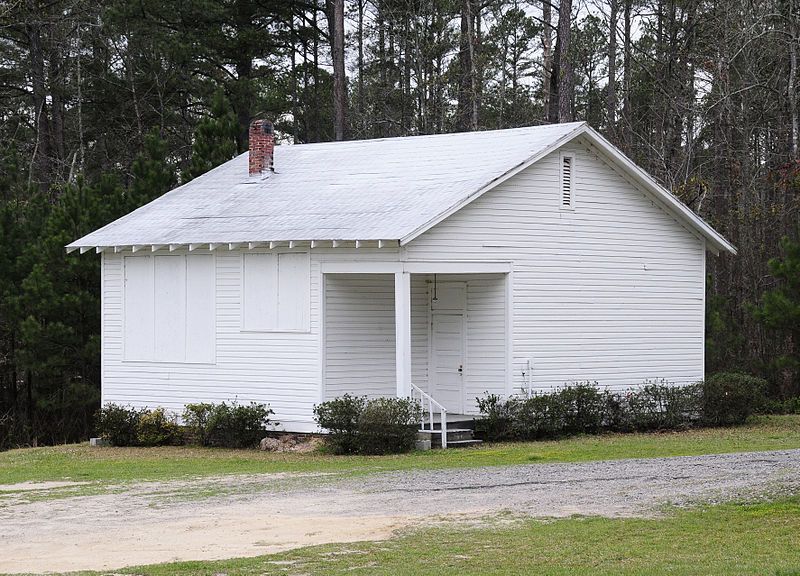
x: 448, y: 344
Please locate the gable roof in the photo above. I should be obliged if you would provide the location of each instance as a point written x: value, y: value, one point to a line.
x: 390, y: 189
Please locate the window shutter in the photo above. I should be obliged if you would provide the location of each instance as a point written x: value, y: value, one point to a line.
x: 567, y: 182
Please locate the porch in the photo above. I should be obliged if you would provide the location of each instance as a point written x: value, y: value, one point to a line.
x: 438, y: 330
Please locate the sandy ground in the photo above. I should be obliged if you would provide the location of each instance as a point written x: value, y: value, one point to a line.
x: 33, y: 486
x: 228, y: 517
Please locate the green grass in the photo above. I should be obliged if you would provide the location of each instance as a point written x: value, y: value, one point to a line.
x: 725, y: 540
x: 113, y: 465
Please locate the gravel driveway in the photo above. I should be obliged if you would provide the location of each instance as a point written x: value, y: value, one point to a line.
x: 234, y: 516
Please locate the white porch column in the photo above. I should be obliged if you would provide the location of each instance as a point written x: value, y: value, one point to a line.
x: 402, y: 324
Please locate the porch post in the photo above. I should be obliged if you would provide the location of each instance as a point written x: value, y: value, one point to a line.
x: 402, y: 324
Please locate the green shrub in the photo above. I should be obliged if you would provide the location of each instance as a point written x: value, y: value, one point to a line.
x: 658, y: 405
x: 119, y: 424
x: 388, y: 426
x: 226, y: 425
x: 582, y: 408
x: 498, y: 417
x: 157, y: 428
x: 730, y: 398
x: 575, y: 409
x: 340, y: 417
x: 722, y: 400
x: 788, y: 406
x: 537, y: 416
x: 359, y: 426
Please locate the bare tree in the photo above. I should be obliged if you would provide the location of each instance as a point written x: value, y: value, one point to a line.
x: 468, y: 90
x: 547, y: 55
x: 561, y: 87
x: 335, y: 10
x: 611, y: 96
x: 792, y: 84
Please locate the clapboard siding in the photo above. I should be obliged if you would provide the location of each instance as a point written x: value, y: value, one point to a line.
x: 420, y: 323
x: 359, y: 335
x: 279, y: 368
x: 485, y: 367
x: 611, y: 292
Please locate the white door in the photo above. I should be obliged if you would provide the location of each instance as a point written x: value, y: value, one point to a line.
x: 447, y: 346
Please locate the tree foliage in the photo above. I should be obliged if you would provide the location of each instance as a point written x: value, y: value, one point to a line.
x: 780, y: 311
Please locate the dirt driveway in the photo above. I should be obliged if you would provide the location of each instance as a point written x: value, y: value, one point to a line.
x: 227, y: 517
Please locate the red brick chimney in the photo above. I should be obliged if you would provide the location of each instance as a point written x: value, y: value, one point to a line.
x: 262, y: 146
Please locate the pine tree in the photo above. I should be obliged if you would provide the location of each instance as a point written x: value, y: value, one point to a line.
x: 59, y: 309
x: 153, y: 172
x: 214, y: 138
x: 780, y: 311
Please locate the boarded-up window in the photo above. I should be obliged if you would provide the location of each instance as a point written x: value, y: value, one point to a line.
x: 275, y: 294
x: 169, y: 308
x: 200, y: 328
x: 138, y: 313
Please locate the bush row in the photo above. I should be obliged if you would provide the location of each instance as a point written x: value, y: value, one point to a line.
x: 222, y: 425
x: 721, y: 400
x: 357, y: 425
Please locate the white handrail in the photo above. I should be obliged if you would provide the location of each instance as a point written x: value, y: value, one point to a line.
x: 426, y: 400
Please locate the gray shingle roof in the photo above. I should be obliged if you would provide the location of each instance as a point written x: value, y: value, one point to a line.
x: 359, y: 190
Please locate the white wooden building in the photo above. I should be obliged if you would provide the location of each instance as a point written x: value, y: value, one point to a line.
x: 460, y: 264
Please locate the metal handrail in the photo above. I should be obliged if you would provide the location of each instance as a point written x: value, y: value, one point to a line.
x: 427, y: 399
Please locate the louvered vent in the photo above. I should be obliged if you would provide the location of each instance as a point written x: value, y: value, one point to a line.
x: 567, y: 177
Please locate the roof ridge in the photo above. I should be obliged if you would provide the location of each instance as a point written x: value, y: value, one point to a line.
x: 436, y: 135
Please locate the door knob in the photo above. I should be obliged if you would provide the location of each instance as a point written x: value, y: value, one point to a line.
x: 460, y: 368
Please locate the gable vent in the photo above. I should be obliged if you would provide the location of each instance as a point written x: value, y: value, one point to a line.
x: 567, y: 181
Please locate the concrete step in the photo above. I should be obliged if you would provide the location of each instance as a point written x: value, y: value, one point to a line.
x: 456, y: 437
x: 463, y: 443
x: 456, y: 424
x: 456, y: 434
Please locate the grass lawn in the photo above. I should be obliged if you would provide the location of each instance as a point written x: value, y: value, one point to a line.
x: 725, y: 540
x: 111, y: 465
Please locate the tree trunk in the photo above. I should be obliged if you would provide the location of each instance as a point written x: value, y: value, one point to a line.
x: 315, y: 133
x: 383, y: 93
x: 611, y: 97
x: 336, y: 32
x: 360, y: 35
x: 408, y: 107
x: 40, y: 169
x: 547, y: 55
x: 565, y: 87
x: 627, y: 74
x: 467, y: 96
x: 792, y: 84
x: 31, y: 427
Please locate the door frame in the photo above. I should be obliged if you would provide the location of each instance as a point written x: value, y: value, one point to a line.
x: 462, y: 310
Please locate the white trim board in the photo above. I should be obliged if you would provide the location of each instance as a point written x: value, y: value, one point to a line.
x: 416, y: 267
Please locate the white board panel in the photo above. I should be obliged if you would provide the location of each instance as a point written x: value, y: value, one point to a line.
x: 200, y: 308
x: 260, y: 292
x: 611, y: 291
x: 170, y: 308
x: 293, y: 281
x: 138, y: 313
